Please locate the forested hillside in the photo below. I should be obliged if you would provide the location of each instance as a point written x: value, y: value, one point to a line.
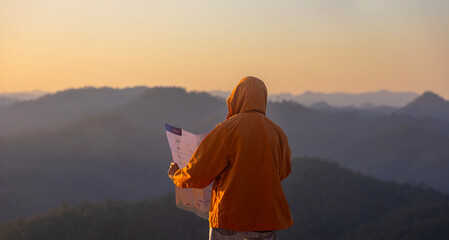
x: 326, y: 200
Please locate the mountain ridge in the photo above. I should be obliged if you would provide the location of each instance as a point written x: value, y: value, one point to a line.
x: 429, y: 104
x: 340, y: 99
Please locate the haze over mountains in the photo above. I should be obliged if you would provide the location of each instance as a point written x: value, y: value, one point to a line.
x: 52, y: 110
x: 95, y: 143
x: 357, y: 100
x: 9, y: 98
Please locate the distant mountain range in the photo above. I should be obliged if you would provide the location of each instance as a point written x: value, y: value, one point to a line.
x: 23, y: 96
x: 94, y: 143
x: 54, y: 110
x: 365, y: 109
x: 383, y: 98
x: 365, y: 100
x: 428, y: 104
x: 326, y: 202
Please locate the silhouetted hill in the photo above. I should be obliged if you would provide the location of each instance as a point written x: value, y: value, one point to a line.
x: 54, y: 110
x: 194, y: 111
x: 326, y: 201
x: 329, y: 201
x: 102, y: 155
x: 402, y: 153
x: 428, y: 104
x: 355, y: 141
x: 92, y: 159
x: 148, y: 219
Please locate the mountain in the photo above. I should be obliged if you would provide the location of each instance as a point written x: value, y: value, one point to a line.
x: 111, y: 219
x: 194, y: 111
x: 91, y: 159
x: 428, y: 104
x: 401, y: 153
x: 53, y: 110
x: 326, y: 201
x: 367, y: 109
x: 377, y: 98
x: 381, y: 98
x: 392, y: 147
x: 122, y: 154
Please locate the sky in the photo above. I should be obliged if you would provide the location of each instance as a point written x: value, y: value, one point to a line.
x: 292, y: 45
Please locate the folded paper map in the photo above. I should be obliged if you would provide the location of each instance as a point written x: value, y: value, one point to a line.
x: 183, y: 144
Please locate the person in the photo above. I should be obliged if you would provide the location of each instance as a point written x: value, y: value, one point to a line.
x: 246, y: 156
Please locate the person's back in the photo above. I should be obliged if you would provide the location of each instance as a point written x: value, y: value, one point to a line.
x: 247, y: 156
x: 251, y: 182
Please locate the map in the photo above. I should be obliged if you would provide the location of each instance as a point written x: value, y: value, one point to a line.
x: 183, y: 144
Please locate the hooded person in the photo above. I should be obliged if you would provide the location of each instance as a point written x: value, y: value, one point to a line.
x: 247, y: 156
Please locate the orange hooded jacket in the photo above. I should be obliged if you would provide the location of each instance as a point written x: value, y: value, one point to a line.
x: 246, y: 156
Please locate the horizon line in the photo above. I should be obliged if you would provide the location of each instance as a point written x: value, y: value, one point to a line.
x: 211, y: 90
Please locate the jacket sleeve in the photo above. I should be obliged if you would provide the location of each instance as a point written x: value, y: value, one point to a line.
x: 208, y: 161
x: 285, y: 167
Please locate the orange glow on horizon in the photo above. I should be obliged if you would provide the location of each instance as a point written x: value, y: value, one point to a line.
x: 293, y: 47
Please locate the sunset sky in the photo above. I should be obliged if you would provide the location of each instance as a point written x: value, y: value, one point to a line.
x: 293, y: 45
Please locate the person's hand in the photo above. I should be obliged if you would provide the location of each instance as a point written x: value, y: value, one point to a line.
x: 173, y: 168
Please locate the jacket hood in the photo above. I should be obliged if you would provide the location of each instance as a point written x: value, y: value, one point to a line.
x: 250, y: 94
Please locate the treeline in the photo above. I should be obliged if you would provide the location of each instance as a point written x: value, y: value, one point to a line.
x: 330, y: 202
x: 150, y: 219
x: 326, y: 200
